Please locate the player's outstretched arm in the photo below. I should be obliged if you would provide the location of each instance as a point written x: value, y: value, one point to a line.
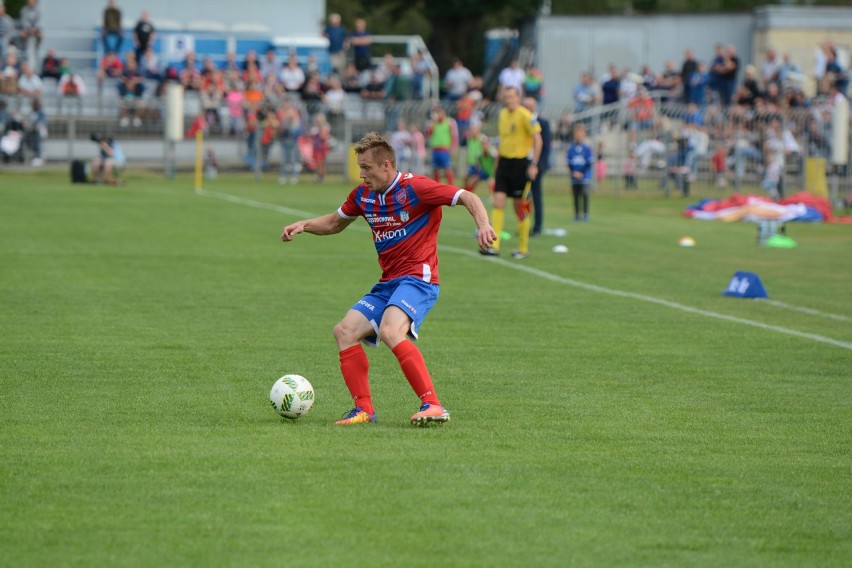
x: 326, y: 225
x: 484, y: 231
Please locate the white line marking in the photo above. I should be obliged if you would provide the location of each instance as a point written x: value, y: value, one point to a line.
x: 804, y: 310
x: 651, y: 299
x: 560, y: 279
x: 253, y: 203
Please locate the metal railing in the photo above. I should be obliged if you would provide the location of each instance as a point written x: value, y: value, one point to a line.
x: 730, y: 150
x: 413, y: 44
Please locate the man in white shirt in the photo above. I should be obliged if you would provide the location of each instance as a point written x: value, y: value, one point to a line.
x: 770, y: 68
x: 29, y: 84
x: 457, y: 80
x: 291, y: 75
x: 511, y: 77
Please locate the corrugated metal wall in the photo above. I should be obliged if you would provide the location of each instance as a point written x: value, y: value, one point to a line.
x: 567, y: 46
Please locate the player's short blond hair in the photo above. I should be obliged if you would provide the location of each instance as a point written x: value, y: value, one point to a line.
x: 380, y: 147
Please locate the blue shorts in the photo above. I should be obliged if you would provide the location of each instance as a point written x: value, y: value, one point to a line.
x: 478, y: 172
x: 412, y: 295
x: 441, y: 159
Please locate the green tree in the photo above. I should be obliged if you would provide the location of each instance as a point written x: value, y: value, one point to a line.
x: 13, y: 7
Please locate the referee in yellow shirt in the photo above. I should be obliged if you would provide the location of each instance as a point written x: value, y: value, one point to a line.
x: 520, y: 140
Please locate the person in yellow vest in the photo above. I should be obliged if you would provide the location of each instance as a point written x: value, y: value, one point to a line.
x: 443, y: 136
x: 517, y: 164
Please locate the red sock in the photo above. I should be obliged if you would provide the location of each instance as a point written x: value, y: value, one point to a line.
x: 356, y: 374
x: 414, y: 368
x: 451, y: 177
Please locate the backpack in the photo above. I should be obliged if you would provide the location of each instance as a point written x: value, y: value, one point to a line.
x: 78, y: 172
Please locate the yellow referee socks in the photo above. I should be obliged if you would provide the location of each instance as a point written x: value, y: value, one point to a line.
x: 498, y: 219
x: 524, y: 235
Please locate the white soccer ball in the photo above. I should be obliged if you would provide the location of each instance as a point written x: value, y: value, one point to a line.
x: 292, y: 396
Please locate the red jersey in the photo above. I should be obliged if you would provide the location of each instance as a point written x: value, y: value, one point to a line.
x: 404, y: 220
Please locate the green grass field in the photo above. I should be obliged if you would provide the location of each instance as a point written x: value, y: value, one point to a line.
x: 609, y: 406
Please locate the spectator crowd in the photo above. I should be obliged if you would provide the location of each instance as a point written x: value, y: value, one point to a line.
x: 697, y: 109
x: 740, y: 119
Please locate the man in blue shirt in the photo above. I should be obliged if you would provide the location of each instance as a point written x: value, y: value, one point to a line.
x: 580, y: 160
x: 698, y: 83
x: 336, y: 35
x: 360, y: 41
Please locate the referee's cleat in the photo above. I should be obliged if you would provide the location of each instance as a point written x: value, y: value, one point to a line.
x: 357, y: 416
x: 430, y: 414
x: 490, y: 251
x: 520, y: 255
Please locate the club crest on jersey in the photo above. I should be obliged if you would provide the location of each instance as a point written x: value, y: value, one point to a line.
x: 401, y: 197
x: 403, y: 216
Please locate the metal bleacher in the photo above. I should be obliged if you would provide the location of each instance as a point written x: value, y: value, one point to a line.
x: 206, y: 38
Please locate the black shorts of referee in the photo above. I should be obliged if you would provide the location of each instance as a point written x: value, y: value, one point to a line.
x: 511, y: 176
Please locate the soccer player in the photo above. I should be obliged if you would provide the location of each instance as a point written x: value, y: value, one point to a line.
x: 403, y: 211
x: 520, y: 138
x: 443, y: 133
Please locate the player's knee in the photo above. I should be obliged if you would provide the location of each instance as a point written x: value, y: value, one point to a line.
x: 344, y: 334
x: 390, y: 334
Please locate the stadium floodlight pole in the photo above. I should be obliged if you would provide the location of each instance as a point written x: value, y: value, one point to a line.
x: 199, y: 151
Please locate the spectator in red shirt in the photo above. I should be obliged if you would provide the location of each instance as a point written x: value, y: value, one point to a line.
x: 641, y: 112
x: 190, y: 76
x: 50, y: 66
x: 110, y: 66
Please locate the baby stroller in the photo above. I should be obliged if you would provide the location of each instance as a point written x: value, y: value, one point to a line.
x: 12, y: 142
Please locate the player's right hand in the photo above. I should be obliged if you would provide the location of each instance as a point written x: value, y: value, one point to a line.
x: 291, y: 231
x: 486, y: 236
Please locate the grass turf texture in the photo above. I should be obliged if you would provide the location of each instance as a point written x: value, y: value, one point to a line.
x: 142, y: 328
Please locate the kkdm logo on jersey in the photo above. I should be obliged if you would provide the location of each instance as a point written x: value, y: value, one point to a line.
x: 381, y: 236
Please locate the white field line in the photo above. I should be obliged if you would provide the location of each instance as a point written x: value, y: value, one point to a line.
x: 809, y: 311
x: 561, y: 279
x: 253, y: 203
